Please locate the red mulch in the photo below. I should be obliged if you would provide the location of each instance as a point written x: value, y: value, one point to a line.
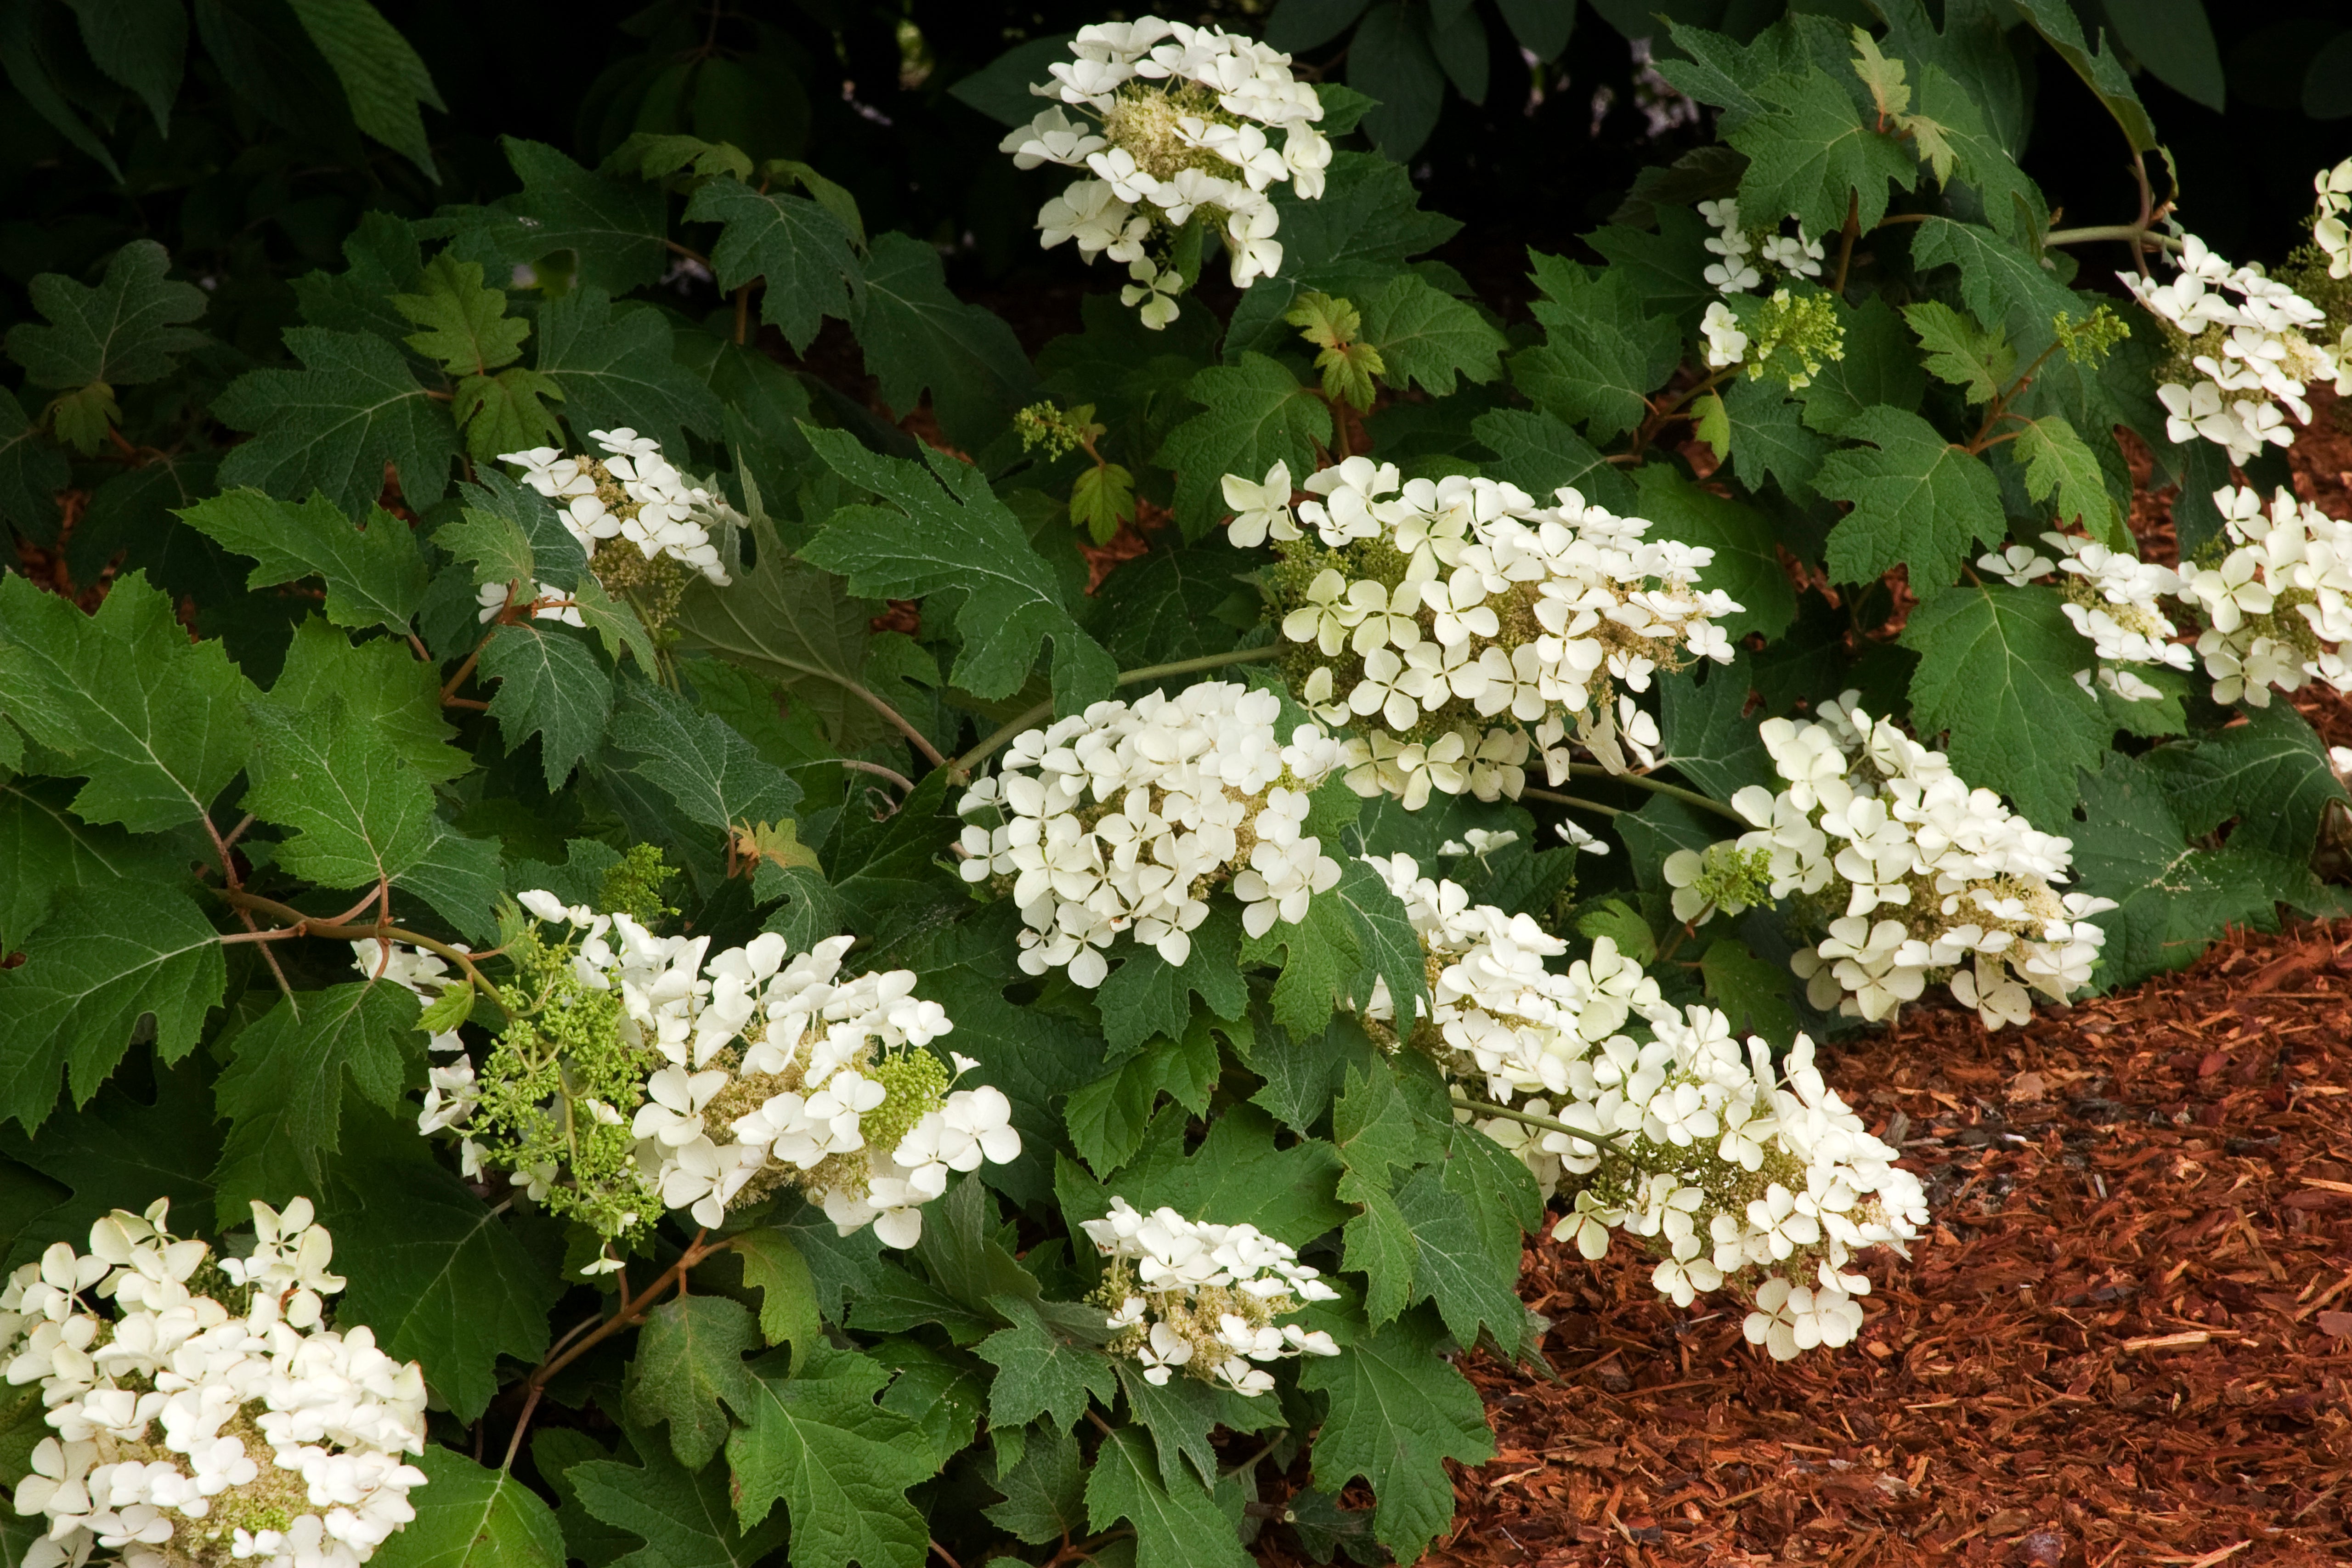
x: 2121, y: 1343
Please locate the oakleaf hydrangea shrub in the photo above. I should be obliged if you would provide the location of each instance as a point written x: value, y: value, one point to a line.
x: 995, y: 983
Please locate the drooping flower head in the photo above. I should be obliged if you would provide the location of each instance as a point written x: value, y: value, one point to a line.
x: 205, y: 1412
x: 1177, y: 127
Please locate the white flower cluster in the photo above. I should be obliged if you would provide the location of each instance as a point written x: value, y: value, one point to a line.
x: 755, y: 1069
x: 1737, y: 254
x: 2113, y: 599
x: 1914, y: 877
x: 1695, y: 1145
x: 1175, y: 131
x: 2246, y: 343
x: 2274, y: 606
x: 1203, y: 1297
x: 1468, y: 621
x: 192, y: 1431
x: 1127, y: 816
x: 633, y: 494
x: 2329, y: 230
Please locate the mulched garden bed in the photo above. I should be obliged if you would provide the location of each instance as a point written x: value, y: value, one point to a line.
x: 2126, y: 1340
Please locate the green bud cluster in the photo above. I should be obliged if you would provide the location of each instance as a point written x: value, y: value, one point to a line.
x: 1804, y: 327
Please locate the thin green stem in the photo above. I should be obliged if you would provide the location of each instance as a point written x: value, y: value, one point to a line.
x: 2157, y: 238
x: 1547, y: 1123
x: 963, y: 766
x: 1578, y: 802
x: 1659, y: 786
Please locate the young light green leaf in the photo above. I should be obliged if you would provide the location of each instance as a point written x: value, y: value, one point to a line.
x: 800, y: 252
x: 1882, y: 76
x: 107, y: 959
x: 684, y: 1518
x: 1962, y: 352
x: 839, y: 1463
x: 1399, y: 1410
x: 688, y: 1372
x: 155, y: 723
x: 618, y: 366
x: 1176, y: 1526
x: 1042, y: 1368
x: 129, y: 328
x: 382, y: 78
x: 1335, y: 328
x: 944, y: 529
x: 1101, y: 498
x: 1255, y: 415
x: 1712, y: 424
x: 467, y: 329
x: 1997, y: 664
x: 374, y: 573
x: 282, y: 1091
x: 1919, y: 501
x: 335, y: 424
x: 470, y: 1516
x: 2062, y: 469
x: 918, y: 337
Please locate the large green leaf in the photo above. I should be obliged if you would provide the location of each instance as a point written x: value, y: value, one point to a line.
x: 1042, y: 1368
x: 1399, y: 1410
x: 1815, y: 153
x: 358, y: 816
x: 448, y: 1282
x: 698, y: 761
x: 282, y: 1091
x: 919, y: 338
x: 1427, y: 337
x: 374, y: 575
x: 2173, y: 899
x: 551, y: 686
x: 1745, y: 564
x: 683, y: 1517
x: 130, y: 328
x: 838, y: 1462
x: 2269, y: 776
x: 617, y: 366
x: 45, y: 852
x: 799, y: 251
x: 156, y: 724
x: 944, y: 530
x: 108, y: 959
x: 384, y: 80
x: 334, y: 425
x: 1997, y: 670
x: 469, y: 1516
x: 1352, y: 935
x: 1603, y: 353
x: 1255, y: 415
x: 386, y: 689
x: 1176, y: 1526
x: 688, y: 1372
x: 1918, y: 501
x: 1349, y: 241
x: 121, y: 1152
x: 616, y: 230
